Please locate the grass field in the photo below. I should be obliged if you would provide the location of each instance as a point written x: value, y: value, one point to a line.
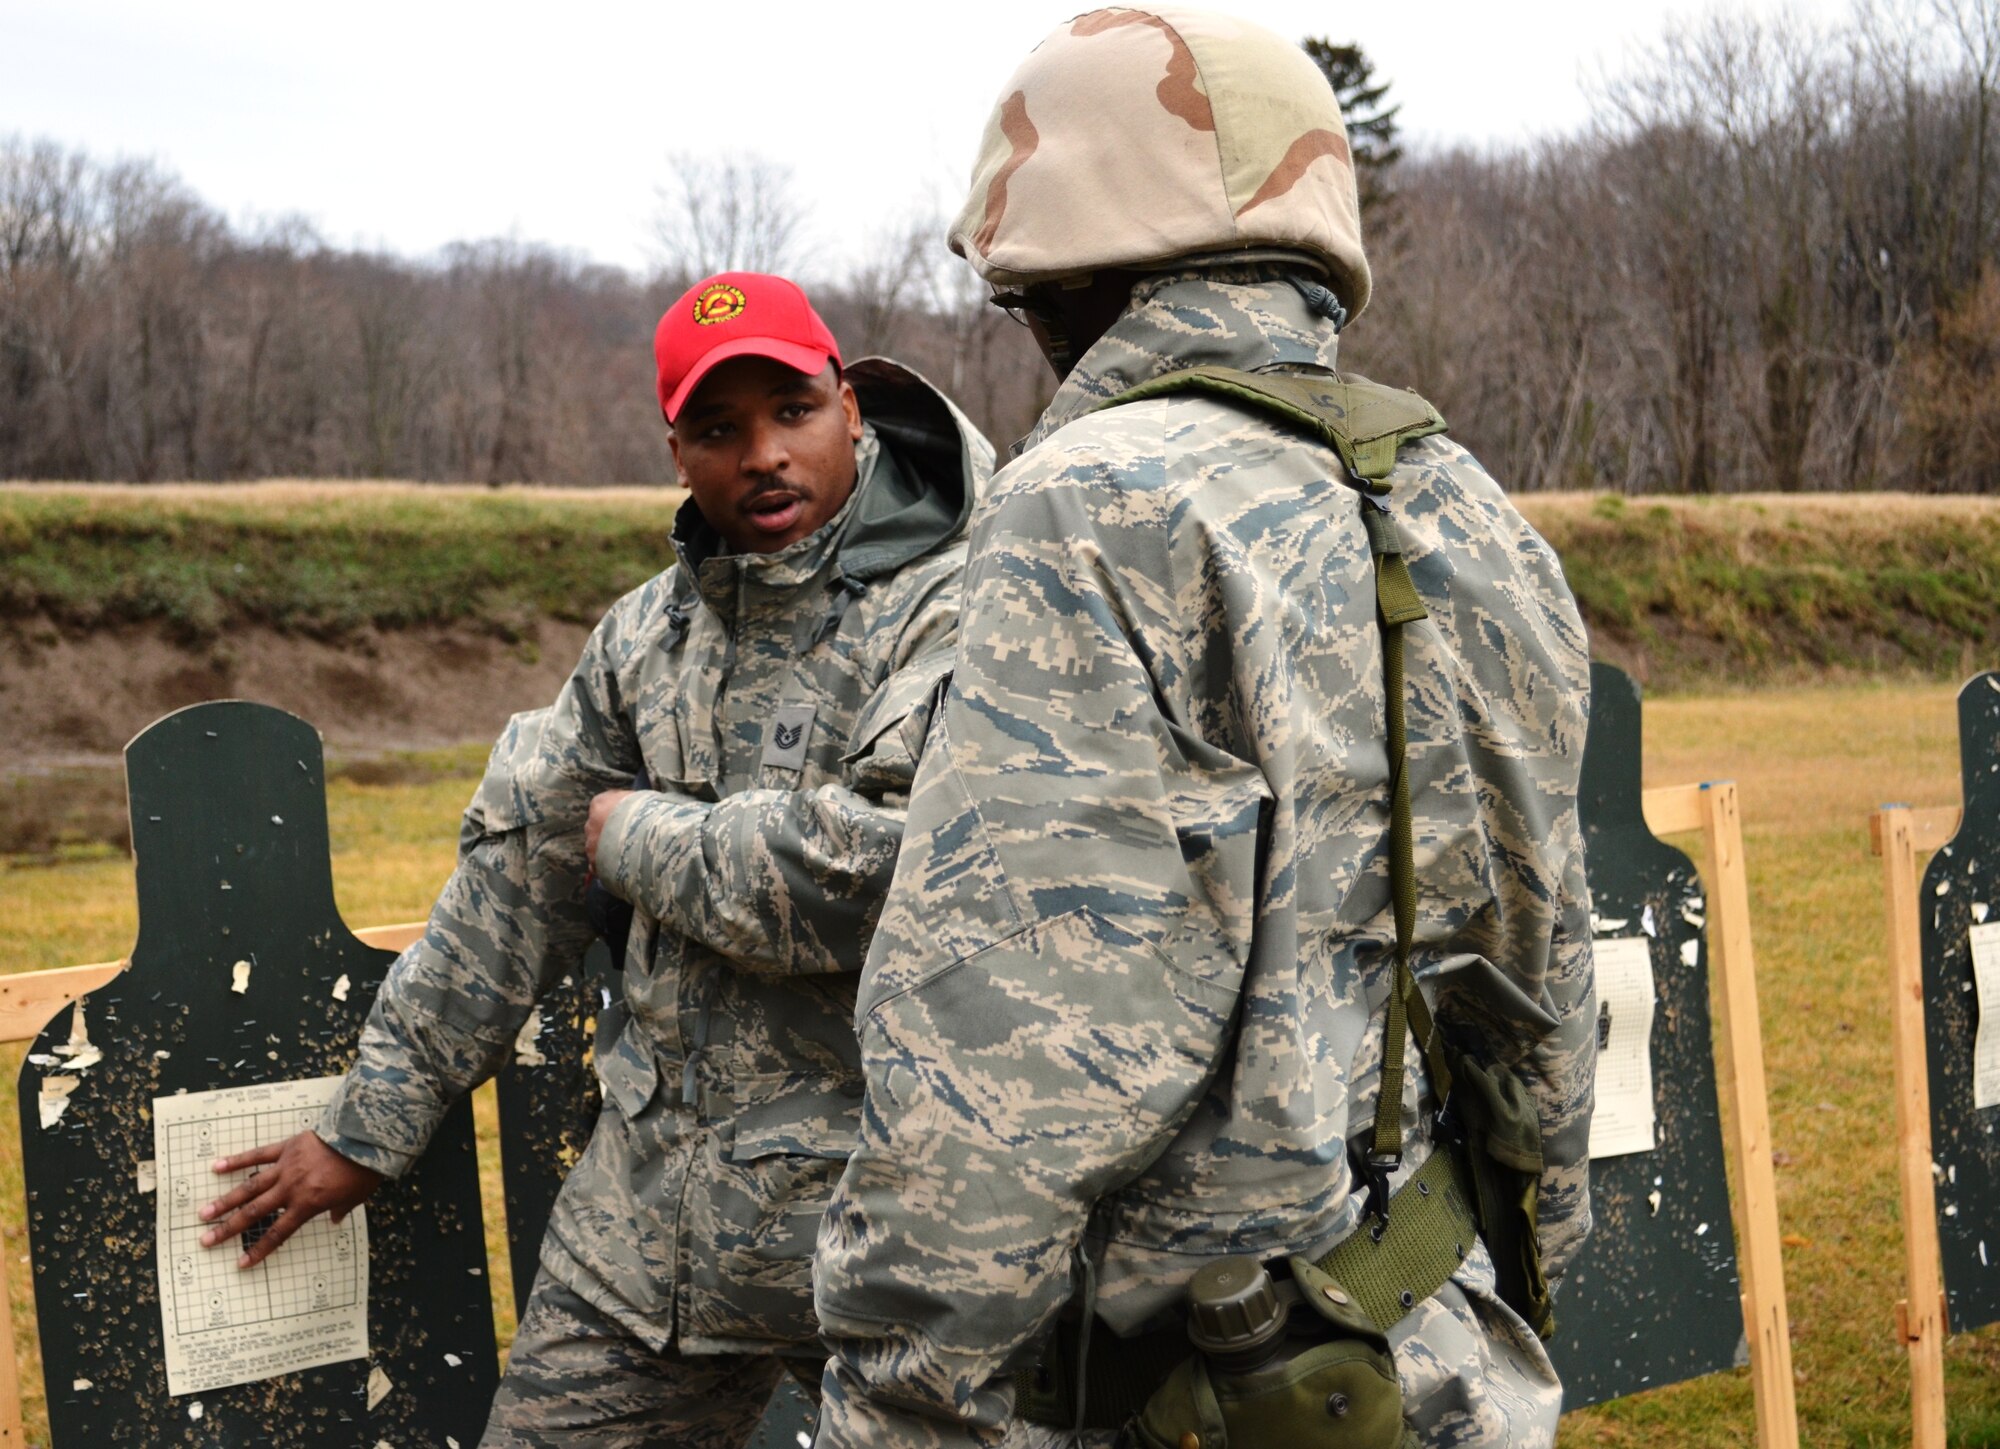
x: 1686, y: 592
x: 323, y: 559
x: 1811, y: 763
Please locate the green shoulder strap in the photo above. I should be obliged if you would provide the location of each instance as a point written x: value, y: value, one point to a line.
x: 1366, y: 423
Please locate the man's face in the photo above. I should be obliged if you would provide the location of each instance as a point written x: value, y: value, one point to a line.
x: 767, y: 452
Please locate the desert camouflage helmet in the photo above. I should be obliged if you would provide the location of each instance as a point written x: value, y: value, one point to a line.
x: 1135, y: 137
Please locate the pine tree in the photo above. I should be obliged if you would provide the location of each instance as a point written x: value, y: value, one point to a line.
x: 1371, y: 126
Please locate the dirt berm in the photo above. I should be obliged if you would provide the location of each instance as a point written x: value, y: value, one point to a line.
x: 394, y: 615
x: 68, y: 698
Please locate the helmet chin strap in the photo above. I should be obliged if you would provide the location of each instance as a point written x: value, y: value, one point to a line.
x: 1050, y: 318
x: 1062, y: 355
x: 1075, y: 311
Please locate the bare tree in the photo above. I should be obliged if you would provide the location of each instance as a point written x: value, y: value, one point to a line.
x: 887, y: 283
x: 47, y: 220
x: 1769, y: 262
x: 384, y: 303
x: 730, y: 213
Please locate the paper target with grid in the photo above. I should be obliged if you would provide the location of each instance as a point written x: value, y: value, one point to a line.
x: 1623, y: 1119
x: 305, y: 1305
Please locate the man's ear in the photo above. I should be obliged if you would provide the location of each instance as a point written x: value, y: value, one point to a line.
x: 851, y: 405
x: 674, y: 446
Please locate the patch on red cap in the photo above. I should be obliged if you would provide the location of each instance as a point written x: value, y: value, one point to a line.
x: 719, y: 303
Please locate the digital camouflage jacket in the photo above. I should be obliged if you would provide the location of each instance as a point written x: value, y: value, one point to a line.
x: 1124, y: 1010
x: 777, y: 704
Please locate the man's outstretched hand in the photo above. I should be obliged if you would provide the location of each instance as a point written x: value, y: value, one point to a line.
x: 299, y: 1179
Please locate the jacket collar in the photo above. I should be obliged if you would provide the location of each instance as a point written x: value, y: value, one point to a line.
x: 1248, y: 316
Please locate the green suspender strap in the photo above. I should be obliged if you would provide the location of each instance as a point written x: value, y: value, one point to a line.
x: 1404, y: 1256
x: 1366, y: 424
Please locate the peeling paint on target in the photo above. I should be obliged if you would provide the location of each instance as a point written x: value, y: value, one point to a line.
x: 205, y: 783
x: 1965, y: 1139
x: 1654, y: 1296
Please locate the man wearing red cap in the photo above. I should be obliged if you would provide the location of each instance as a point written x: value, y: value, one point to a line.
x: 775, y: 685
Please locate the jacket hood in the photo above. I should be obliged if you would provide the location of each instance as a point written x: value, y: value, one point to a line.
x: 922, y: 466
x: 945, y: 463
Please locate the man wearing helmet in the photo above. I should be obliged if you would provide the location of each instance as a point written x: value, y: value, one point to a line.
x: 1258, y: 769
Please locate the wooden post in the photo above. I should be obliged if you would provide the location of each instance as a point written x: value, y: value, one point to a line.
x: 1714, y: 809
x: 11, y: 1433
x: 1766, y: 1323
x: 1920, y: 1320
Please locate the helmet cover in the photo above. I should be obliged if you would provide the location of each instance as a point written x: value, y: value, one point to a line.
x: 1135, y: 138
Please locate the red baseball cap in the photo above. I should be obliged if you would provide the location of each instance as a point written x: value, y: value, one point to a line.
x: 737, y: 314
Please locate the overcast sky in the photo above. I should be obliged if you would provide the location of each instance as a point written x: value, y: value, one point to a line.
x: 408, y: 125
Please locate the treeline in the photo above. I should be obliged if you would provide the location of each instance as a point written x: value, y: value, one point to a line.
x: 144, y: 339
x: 1770, y: 263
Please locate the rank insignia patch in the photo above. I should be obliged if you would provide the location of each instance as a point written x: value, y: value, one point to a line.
x: 785, y: 742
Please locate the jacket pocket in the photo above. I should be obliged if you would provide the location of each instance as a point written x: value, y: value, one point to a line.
x: 888, y: 738
x: 821, y: 1122
x: 750, y: 1235
x: 615, y: 1215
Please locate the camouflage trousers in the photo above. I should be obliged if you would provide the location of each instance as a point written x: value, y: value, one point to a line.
x: 577, y: 1380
